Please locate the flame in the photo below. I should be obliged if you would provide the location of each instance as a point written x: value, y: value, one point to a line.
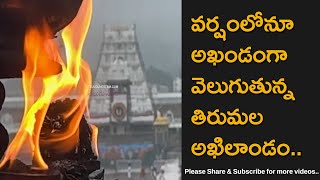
x: 74, y: 79
x: 94, y: 139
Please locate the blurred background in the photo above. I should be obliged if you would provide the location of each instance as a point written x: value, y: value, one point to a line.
x: 134, y: 50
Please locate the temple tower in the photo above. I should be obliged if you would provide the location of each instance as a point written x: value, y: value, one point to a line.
x: 120, y: 93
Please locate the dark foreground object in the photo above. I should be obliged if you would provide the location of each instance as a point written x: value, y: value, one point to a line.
x: 4, y: 136
x: 58, y: 170
x: 17, y: 15
x: 28, y: 176
x: 80, y: 163
x: 4, y: 140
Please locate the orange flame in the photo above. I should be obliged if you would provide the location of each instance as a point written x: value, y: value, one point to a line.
x: 94, y: 139
x: 75, y: 79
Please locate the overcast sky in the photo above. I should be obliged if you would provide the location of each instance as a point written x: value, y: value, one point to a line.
x: 158, y: 25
